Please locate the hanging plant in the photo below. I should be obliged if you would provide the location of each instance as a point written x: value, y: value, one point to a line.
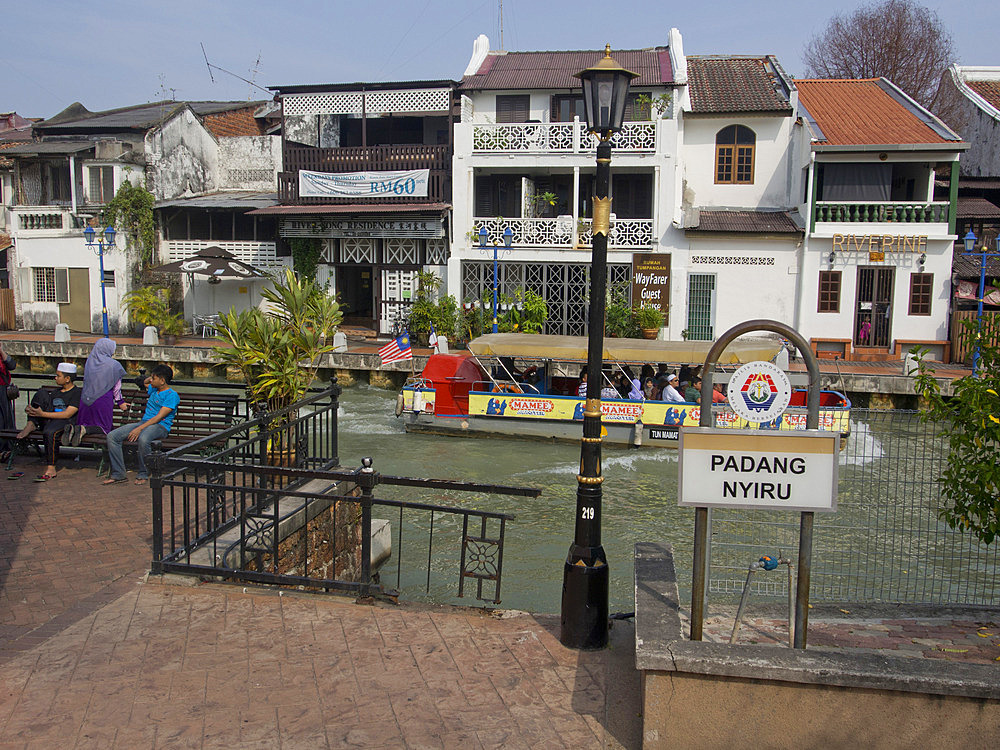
x: 306, y: 255
x: 131, y: 213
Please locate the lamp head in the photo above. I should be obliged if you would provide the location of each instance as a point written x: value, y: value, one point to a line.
x: 483, y: 235
x: 605, y: 90
x: 833, y: 257
x: 508, y: 236
x: 109, y: 236
x: 922, y: 259
x: 970, y: 241
x: 88, y: 235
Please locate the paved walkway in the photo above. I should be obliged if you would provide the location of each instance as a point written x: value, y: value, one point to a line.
x: 91, y: 656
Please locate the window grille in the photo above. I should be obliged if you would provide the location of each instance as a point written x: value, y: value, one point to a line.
x: 44, y: 284
x: 437, y: 252
x: 921, y: 286
x: 829, y: 292
x: 403, y: 251
x: 701, y: 307
x: 109, y: 278
x: 357, y: 250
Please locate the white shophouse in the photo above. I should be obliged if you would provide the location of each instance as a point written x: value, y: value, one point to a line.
x: 524, y: 161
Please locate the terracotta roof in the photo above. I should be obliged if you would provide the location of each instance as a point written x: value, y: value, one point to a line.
x: 353, y: 208
x: 554, y: 70
x: 989, y: 90
x: 735, y: 84
x: 235, y: 123
x: 754, y: 222
x: 5, y: 241
x: 976, y: 208
x: 868, y: 112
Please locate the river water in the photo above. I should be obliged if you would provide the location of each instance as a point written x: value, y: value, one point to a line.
x: 884, y: 543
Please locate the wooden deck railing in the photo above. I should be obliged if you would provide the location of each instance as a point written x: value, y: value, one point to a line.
x: 961, y: 347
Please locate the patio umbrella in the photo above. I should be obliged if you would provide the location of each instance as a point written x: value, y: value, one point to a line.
x: 215, y: 263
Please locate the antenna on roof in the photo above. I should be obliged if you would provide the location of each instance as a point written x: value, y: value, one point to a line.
x: 212, y: 67
x: 501, y: 25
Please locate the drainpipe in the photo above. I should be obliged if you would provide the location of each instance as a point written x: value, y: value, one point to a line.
x: 72, y: 183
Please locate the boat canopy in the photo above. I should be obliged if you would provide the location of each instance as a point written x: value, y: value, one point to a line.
x: 544, y: 346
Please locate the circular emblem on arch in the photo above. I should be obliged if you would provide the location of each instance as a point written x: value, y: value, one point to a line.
x: 759, y: 391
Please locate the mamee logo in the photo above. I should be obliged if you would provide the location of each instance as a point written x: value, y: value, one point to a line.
x: 538, y: 407
x: 621, y: 412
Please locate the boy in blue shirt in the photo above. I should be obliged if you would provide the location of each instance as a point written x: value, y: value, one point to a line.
x: 161, y: 407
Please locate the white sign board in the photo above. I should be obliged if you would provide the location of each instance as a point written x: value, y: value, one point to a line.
x: 722, y: 468
x: 759, y: 391
x: 403, y: 184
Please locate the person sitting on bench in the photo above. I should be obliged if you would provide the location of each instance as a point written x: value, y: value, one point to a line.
x: 52, y: 410
x: 161, y: 407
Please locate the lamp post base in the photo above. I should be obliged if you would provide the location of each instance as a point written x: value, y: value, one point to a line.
x: 585, y: 599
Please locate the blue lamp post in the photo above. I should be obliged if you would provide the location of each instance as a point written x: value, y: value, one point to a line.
x: 101, y: 246
x: 508, y: 239
x: 970, y: 249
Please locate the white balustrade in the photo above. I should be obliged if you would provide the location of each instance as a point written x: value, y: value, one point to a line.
x: 263, y: 255
x: 560, y: 137
x: 625, y: 233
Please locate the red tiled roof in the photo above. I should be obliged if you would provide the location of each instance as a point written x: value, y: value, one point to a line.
x: 976, y: 208
x: 989, y: 90
x: 234, y: 123
x: 5, y: 241
x: 863, y: 112
x: 734, y: 84
x: 352, y: 208
x: 554, y: 70
x: 754, y: 222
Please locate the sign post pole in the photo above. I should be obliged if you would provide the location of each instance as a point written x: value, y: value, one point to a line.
x: 698, y: 583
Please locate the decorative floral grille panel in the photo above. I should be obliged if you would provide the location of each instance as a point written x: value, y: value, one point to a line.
x: 570, y: 137
x: 357, y: 250
x: 564, y: 286
x: 625, y: 233
x: 403, y: 251
x: 437, y: 252
x: 409, y: 100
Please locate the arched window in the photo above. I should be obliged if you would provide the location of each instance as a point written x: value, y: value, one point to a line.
x: 734, y: 147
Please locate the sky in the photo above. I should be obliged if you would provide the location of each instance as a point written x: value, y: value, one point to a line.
x: 107, y: 54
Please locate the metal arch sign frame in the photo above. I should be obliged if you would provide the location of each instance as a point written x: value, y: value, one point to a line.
x: 700, y: 567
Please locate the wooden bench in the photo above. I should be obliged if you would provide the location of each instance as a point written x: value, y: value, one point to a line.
x: 840, y: 349
x: 199, y: 415
x: 903, y: 346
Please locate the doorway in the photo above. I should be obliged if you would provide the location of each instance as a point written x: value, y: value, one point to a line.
x: 354, y: 286
x: 873, y: 309
x: 76, y: 312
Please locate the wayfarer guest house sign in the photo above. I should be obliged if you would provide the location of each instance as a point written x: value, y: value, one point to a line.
x: 410, y: 183
x: 651, y: 282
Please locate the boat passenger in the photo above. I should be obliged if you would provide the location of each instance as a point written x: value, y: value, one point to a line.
x: 633, y: 384
x: 693, y: 392
x: 670, y: 393
x: 718, y: 397
x: 649, y: 389
x: 581, y: 390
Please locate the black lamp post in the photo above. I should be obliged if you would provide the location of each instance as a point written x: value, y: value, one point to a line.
x: 585, y: 575
x: 101, y: 247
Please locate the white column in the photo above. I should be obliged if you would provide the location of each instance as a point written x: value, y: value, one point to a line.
x: 72, y: 182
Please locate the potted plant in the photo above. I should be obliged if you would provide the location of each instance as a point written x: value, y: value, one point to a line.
x: 170, y: 327
x: 649, y: 319
x: 278, y: 352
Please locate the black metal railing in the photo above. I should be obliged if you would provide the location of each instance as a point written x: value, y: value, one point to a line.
x: 273, y: 506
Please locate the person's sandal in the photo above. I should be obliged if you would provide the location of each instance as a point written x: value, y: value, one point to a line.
x: 15, y: 475
x: 78, y: 432
x: 44, y: 477
x: 115, y: 480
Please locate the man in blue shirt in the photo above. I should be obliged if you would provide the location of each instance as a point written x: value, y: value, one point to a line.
x: 161, y: 407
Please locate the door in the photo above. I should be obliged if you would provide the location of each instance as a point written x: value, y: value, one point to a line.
x: 399, y: 290
x: 76, y: 312
x: 354, y: 285
x: 873, y: 310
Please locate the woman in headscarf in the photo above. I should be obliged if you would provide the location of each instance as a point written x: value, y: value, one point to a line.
x: 6, y: 406
x: 102, y: 391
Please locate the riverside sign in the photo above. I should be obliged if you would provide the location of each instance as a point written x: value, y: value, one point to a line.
x: 722, y: 468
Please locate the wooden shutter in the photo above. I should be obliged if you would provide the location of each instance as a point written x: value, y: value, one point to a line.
x: 513, y: 108
x: 62, y: 286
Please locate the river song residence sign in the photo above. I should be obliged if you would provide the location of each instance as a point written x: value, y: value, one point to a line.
x: 722, y: 468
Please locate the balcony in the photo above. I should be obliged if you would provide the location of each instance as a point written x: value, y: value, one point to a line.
x: 44, y: 221
x: 366, y: 159
x: 558, y: 137
x: 626, y: 234
x: 861, y: 212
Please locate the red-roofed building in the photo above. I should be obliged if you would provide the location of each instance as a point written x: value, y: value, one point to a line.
x: 876, y: 271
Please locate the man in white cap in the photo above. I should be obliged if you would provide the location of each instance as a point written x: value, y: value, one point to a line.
x: 51, y: 410
x: 670, y: 392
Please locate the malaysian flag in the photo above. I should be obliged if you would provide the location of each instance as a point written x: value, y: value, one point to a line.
x: 397, y: 349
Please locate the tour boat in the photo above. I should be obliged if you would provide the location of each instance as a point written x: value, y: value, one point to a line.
x: 525, y: 385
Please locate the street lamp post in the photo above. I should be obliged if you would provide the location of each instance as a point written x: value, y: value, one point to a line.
x: 508, y: 239
x: 585, y: 575
x: 970, y: 249
x: 105, y: 241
